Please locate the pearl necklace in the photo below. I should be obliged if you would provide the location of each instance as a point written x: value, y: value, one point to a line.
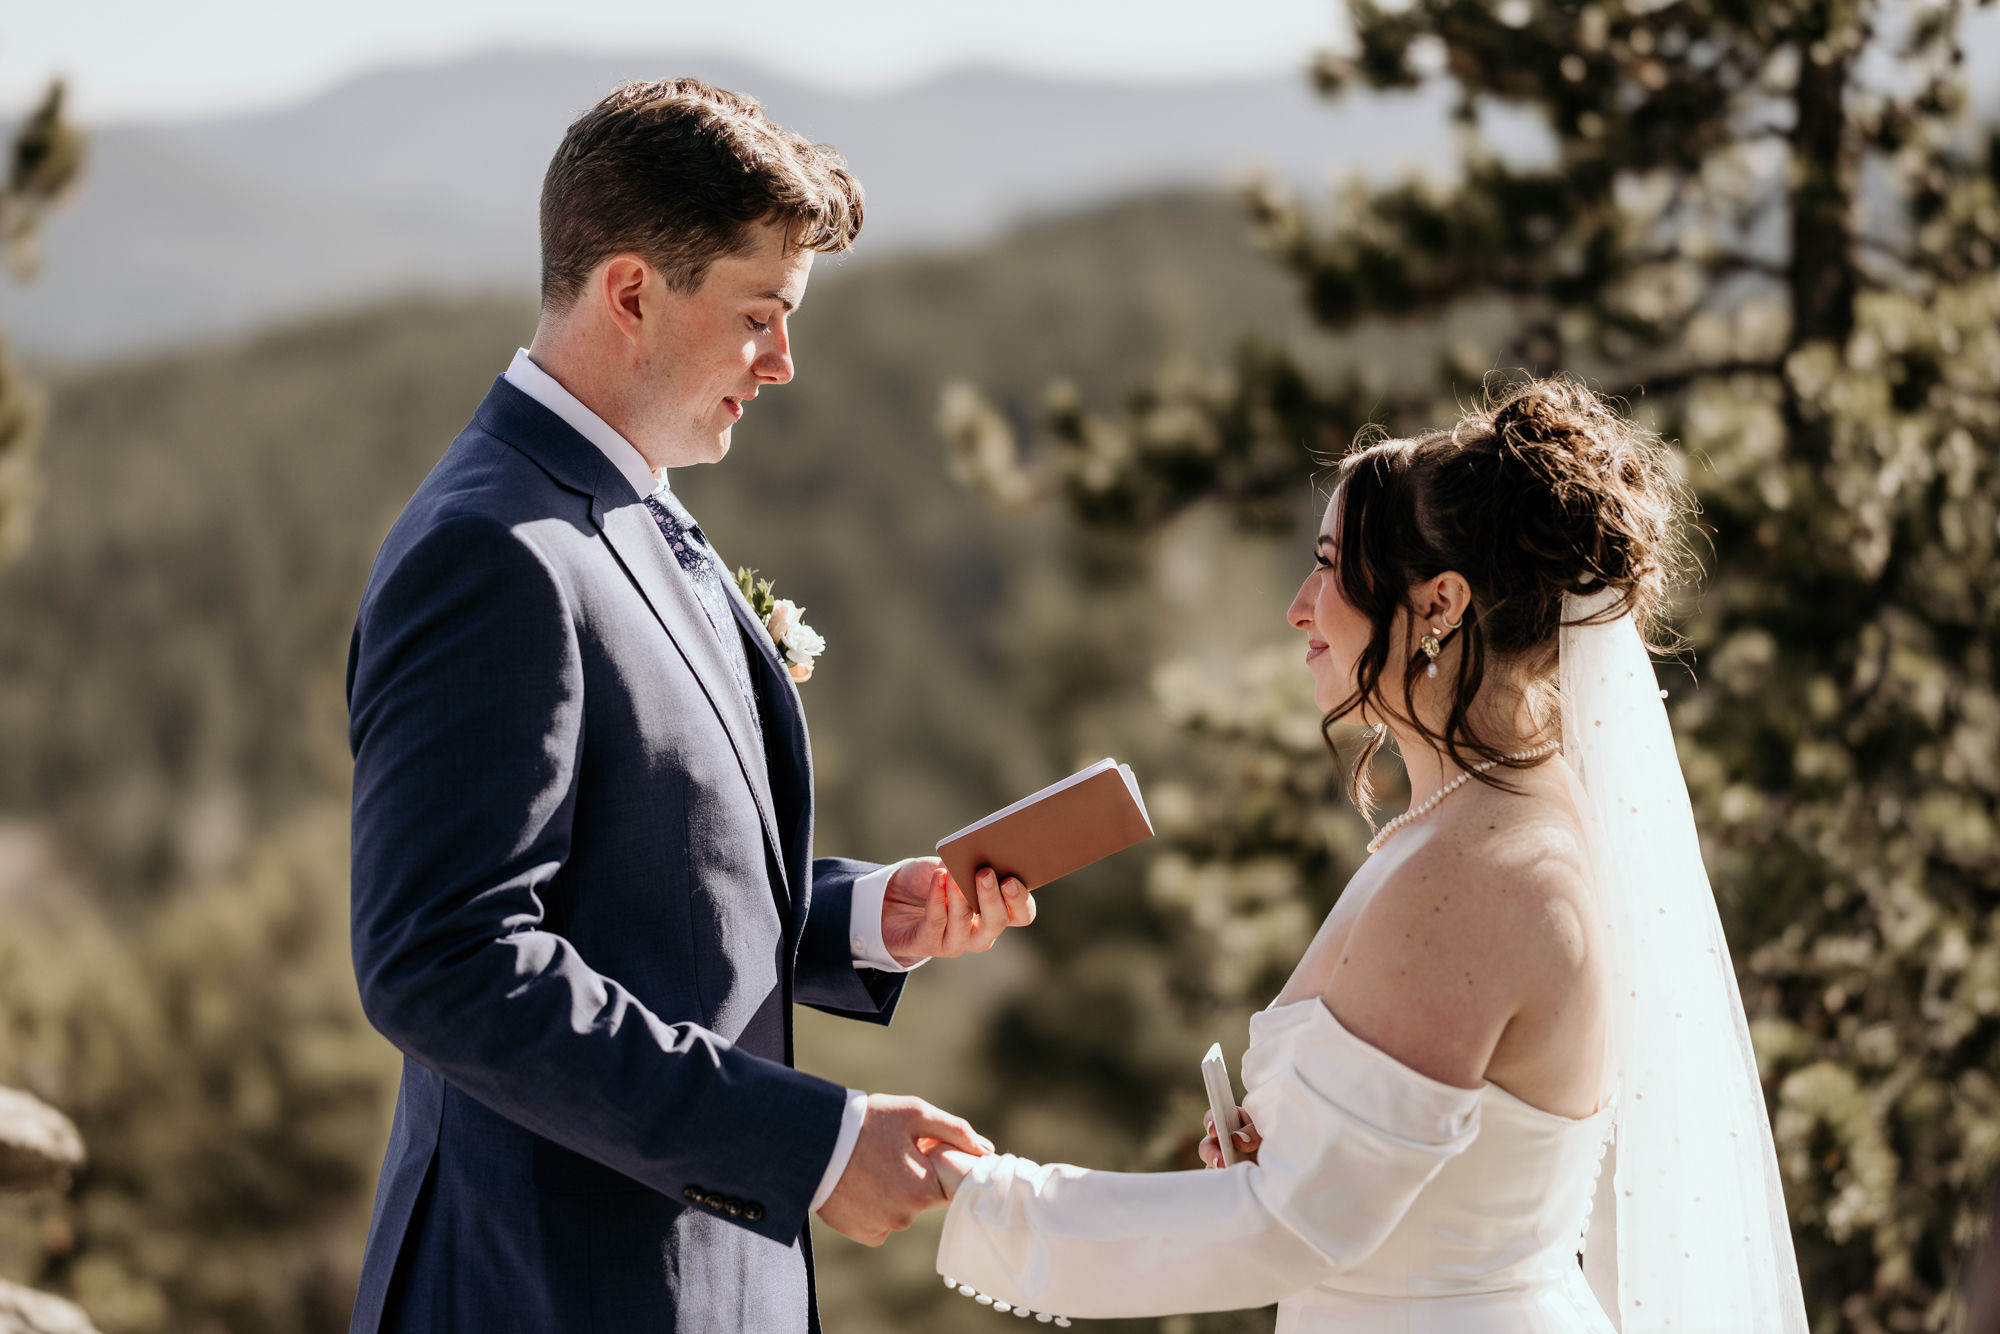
x: 1424, y: 807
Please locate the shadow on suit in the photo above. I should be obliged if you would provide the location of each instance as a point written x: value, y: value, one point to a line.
x: 584, y: 902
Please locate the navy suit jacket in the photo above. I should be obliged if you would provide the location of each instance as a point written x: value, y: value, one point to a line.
x: 584, y: 901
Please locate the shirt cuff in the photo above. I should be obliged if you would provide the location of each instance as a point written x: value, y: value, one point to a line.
x: 843, y: 1148
x: 864, y: 922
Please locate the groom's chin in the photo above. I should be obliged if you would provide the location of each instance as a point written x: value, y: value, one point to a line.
x: 706, y: 449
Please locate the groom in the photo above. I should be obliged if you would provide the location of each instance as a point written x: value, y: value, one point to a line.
x: 584, y: 898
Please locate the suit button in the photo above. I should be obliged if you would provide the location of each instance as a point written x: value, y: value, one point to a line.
x: 754, y: 1212
x: 692, y: 1193
x: 734, y: 1208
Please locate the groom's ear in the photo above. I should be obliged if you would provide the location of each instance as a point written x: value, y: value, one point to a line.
x: 621, y: 287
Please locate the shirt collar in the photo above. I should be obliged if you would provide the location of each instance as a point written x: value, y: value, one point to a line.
x: 539, y: 385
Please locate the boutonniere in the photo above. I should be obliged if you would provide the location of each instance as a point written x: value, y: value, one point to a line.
x: 797, y: 643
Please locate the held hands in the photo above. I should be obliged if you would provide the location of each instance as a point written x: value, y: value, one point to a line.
x: 927, y: 915
x: 1248, y: 1141
x: 890, y: 1179
x: 951, y: 1167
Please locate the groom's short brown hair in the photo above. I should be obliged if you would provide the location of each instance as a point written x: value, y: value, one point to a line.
x: 678, y: 170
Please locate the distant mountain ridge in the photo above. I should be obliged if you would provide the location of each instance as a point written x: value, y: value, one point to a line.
x: 426, y: 177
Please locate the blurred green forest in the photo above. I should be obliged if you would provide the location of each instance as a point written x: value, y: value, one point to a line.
x: 1774, y: 230
x: 174, y: 774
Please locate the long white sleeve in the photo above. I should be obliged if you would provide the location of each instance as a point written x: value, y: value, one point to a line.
x: 1350, y: 1137
x: 1073, y: 1242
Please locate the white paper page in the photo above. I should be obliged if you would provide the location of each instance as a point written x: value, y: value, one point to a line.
x: 1132, y: 786
x: 1048, y: 791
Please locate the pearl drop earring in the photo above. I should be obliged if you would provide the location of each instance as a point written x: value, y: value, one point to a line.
x: 1431, y: 645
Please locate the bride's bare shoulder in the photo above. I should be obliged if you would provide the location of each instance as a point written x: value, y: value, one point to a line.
x: 1478, y: 914
x: 1524, y: 844
x: 1499, y: 856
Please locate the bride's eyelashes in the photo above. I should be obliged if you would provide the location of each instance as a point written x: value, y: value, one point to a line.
x: 761, y: 326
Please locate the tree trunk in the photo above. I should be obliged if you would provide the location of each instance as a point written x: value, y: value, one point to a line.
x: 1820, y: 270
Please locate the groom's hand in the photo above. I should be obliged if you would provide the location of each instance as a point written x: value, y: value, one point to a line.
x: 926, y: 915
x: 889, y: 1180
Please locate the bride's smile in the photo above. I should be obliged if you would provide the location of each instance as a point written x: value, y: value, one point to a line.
x: 1336, y: 633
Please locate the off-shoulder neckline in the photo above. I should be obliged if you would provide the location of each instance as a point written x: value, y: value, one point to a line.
x: 1326, y: 1015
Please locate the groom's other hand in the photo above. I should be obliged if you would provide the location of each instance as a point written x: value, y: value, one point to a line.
x: 889, y: 1180
x: 926, y: 915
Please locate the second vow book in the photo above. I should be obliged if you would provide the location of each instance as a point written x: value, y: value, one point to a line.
x: 1064, y: 827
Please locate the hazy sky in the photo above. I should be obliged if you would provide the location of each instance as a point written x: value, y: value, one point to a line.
x: 175, y: 58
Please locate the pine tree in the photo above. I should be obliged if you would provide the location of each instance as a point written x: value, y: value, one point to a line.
x: 1771, y: 228
x: 42, y: 164
x: 38, y: 1145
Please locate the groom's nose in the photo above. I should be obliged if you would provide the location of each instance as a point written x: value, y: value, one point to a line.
x: 774, y: 362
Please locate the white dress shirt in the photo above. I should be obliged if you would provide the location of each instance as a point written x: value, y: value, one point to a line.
x: 864, y: 919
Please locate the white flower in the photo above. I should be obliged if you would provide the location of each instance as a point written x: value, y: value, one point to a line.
x: 802, y: 642
x: 798, y: 643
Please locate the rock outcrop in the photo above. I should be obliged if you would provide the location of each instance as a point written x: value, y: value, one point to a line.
x: 39, y: 1146
x: 25, y: 1311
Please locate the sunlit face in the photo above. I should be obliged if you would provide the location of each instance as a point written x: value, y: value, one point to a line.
x: 1336, y: 630
x: 709, y: 353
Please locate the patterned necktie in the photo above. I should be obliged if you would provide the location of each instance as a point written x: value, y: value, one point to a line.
x: 690, y: 547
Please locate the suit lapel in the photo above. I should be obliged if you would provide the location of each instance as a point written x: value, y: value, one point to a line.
x: 631, y: 533
x: 635, y: 541
x: 790, y: 750
x: 780, y: 693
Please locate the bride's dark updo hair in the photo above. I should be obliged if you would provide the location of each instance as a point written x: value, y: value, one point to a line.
x: 1547, y: 490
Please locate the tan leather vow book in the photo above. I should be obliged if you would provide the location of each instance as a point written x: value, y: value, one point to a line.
x: 1063, y: 828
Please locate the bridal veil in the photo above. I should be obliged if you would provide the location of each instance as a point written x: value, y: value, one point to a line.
x: 1695, y: 1237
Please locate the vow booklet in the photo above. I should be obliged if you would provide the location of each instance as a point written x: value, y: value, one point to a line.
x: 1063, y: 828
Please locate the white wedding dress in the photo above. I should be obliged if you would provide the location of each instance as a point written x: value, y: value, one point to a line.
x: 1381, y: 1200
x: 1384, y: 1201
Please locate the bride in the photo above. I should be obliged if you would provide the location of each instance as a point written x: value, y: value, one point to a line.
x: 1508, y: 1088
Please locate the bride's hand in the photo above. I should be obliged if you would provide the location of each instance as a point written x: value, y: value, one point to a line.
x: 1248, y: 1141
x: 951, y: 1166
